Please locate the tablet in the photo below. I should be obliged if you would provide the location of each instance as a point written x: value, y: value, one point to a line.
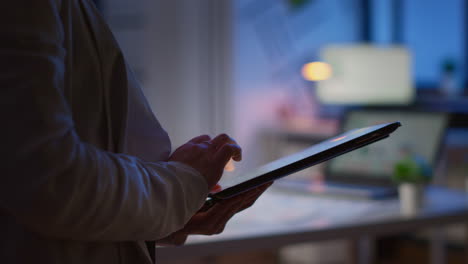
x: 313, y: 155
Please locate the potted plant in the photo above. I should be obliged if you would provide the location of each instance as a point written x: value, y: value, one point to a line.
x: 412, y: 173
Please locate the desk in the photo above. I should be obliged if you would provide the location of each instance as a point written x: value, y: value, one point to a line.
x: 280, y: 218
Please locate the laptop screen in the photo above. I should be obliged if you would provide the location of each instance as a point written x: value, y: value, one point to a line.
x: 421, y: 134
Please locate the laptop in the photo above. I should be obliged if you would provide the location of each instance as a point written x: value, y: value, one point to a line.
x: 366, y: 173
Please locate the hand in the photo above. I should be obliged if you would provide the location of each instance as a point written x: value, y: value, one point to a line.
x: 214, y: 220
x: 208, y: 156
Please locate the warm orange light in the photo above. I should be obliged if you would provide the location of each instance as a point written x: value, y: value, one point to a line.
x: 230, y: 166
x: 317, y: 71
x: 216, y: 188
x: 338, y: 139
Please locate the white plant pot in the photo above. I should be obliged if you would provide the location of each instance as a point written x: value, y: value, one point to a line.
x: 411, y: 198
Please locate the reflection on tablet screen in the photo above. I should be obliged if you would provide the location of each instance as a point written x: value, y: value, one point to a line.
x: 235, y: 179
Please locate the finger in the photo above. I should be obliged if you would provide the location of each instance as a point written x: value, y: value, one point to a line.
x: 253, y: 192
x: 243, y: 201
x: 220, y: 224
x: 254, y: 196
x: 200, y: 139
x: 223, y: 139
x: 226, y: 152
x: 223, y: 208
x: 211, y: 221
x: 208, y: 145
x: 247, y: 205
x: 228, y: 204
x: 265, y: 186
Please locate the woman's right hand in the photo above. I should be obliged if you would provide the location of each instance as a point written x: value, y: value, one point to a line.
x: 208, y: 156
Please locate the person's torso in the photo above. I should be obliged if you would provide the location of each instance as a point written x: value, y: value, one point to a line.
x: 108, y: 105
x: 110, y: 112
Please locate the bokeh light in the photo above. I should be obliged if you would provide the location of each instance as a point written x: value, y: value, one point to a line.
x: 317, y: 71
x: 230, y: 166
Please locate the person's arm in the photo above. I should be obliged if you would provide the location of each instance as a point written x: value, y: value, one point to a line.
x: 51, y: 181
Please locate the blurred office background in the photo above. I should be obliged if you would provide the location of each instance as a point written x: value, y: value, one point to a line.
x: 243, y: 67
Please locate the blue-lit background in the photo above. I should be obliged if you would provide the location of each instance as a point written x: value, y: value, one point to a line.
x: 236, y: 66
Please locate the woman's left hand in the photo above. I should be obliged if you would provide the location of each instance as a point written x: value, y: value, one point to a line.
x: 214, y: 220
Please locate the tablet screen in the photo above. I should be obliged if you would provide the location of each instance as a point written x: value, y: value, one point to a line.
x: 309, y: 152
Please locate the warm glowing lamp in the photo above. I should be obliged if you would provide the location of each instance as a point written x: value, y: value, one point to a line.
x: 316, y: 71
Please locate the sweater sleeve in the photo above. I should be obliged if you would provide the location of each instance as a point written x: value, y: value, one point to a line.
x: 51, y: 181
